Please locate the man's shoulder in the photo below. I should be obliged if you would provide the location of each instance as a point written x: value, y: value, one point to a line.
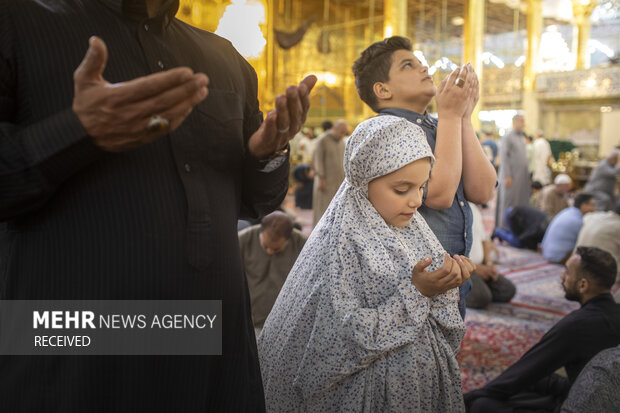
x: 565, y: 222
x: 513, y: 135
x: 213, y: 39
x: 568, y: 215
x: 607, y: 217
x: 299, y: 236
x: 582, y: 317
x: 322, y: 137
x: 547, y: 191
x: 26, y: 7
x: 601, y: 307
x: 248, y: 233
x: 222, y: 49
x: 540, y: 142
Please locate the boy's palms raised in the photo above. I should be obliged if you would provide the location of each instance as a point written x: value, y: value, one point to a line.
x: 453, y: 101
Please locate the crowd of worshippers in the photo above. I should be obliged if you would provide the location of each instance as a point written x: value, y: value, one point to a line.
x: 533, y: 211
x: 549, y: 217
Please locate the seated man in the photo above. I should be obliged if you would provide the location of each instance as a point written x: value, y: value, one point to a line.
x: 561, y: 235
x: 554, y: 198
x: 304, y: 180
x: 527, y: 226
x: 536, y: 189
x: 490, y: 147
x: 269, y: 251
x: 487, y: 284
x: 530, y: 384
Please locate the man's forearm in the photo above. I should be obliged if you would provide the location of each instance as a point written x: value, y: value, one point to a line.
x: 487, y: 247
x: 263, y: 192
x: 479, y: 176
x: 35, y: 160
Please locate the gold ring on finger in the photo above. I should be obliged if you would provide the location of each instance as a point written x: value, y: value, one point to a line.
x: 157, y: 124
x: 459, y: 82
x: 284, y: 130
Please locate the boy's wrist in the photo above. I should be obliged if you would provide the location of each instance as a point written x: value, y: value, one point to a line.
x: 450, y: 117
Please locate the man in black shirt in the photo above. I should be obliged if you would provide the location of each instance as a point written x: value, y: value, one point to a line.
x: 125, y: 182
x: 530, y: 384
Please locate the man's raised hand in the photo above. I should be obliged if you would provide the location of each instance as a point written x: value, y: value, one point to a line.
x: 117, y: 115
x: 284, y: 122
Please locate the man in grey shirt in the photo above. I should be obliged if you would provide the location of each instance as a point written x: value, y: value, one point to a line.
x: 269, y: 251
x: 514, y: 178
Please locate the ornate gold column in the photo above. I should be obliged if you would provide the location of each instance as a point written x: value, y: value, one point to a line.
x: 270, y: 75
x: 534, y: 33
x: 582, y: 10
x: 473, y: 43
x: 369, y: 31
x: 395, y: 23
x: 350, y: 94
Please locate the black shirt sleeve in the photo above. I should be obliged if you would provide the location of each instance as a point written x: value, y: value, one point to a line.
x: 34, y: 158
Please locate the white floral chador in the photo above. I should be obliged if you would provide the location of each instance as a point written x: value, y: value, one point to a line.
x: 349, y: 332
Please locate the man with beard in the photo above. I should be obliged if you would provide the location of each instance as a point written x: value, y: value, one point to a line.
x: 530, y: 384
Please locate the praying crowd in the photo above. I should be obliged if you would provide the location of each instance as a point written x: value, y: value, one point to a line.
x: 136, y: 164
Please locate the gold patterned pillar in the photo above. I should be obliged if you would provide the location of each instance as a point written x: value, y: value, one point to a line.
x: 350, y: 94
x: 582, y: 10
x: 534, y: 33
x: 395, y: 13
x: 473, y: 43
x: 270, y: 74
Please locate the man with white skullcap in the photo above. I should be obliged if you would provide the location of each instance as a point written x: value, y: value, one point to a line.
x: 554, y: 198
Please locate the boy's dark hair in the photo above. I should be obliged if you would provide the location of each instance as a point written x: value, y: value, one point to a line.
x: 598, y: 266
x: 327, y: 125
x: 582, y: 198
x: 374, y: 66
x: 536, y: 185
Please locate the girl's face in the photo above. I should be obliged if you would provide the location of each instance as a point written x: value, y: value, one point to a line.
x: 398, y: 195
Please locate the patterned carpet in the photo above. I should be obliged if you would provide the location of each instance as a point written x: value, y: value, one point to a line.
x: 497, y: 336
